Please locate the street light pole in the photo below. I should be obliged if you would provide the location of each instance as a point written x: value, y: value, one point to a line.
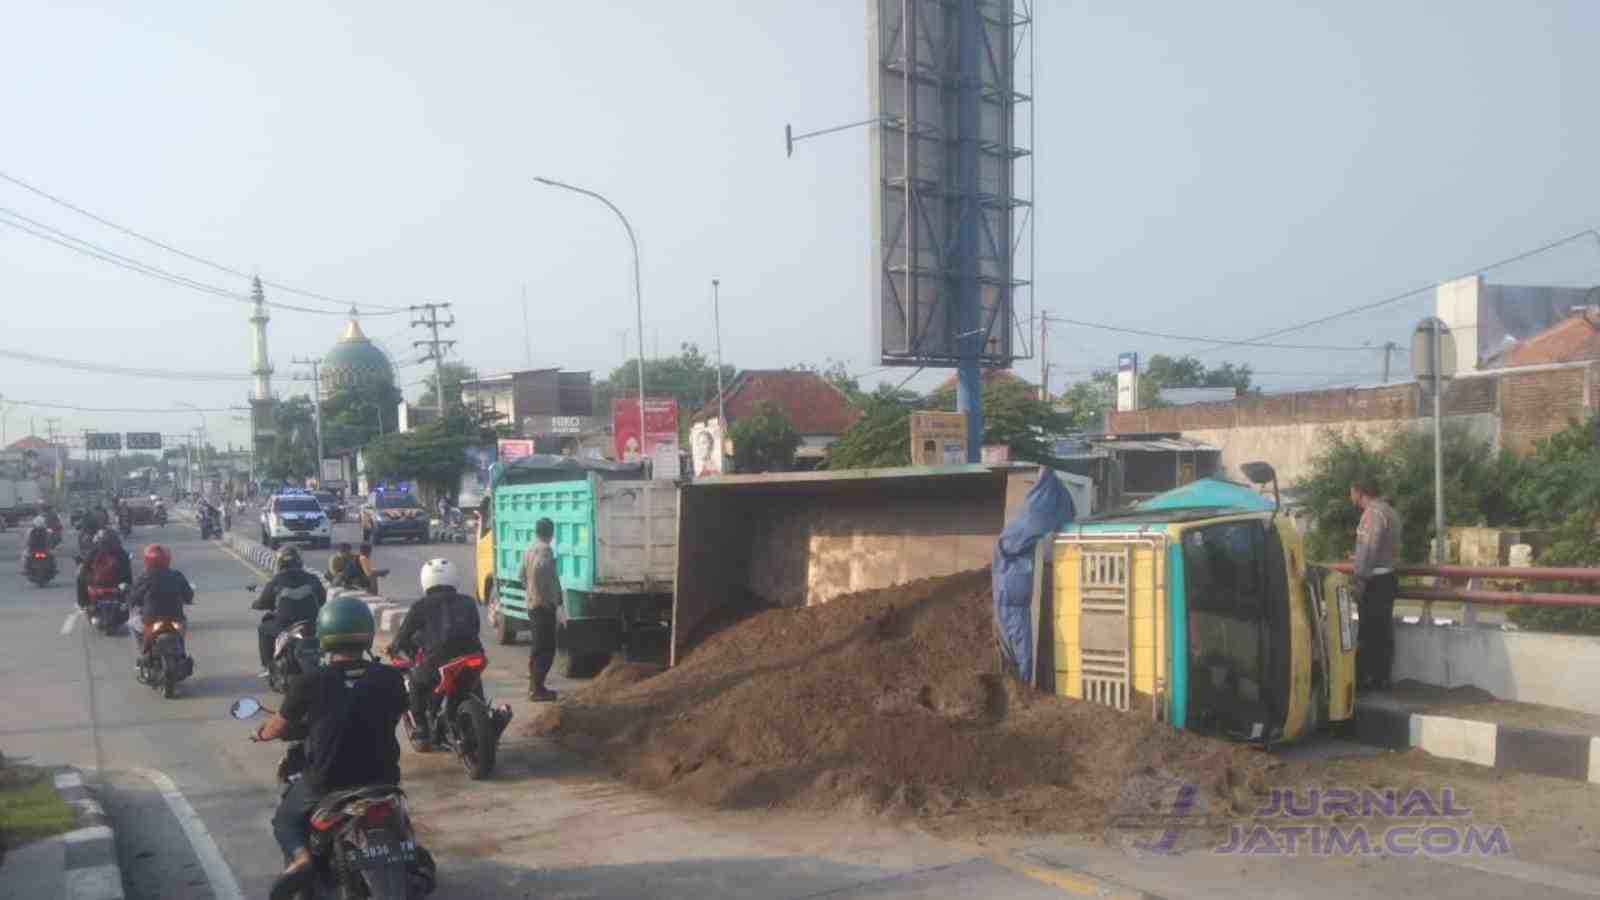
x: 638, y: 298
x: 716, y: 315
x: 203, y: 431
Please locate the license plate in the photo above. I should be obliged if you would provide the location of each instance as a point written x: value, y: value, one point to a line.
x: 380, y: 853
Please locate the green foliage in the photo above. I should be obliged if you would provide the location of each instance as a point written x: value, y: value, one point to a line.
x: 1477, y: 487
x: 689, y: 378
x: 1087, y: 400
x: 1085, y: 403
x: 764, y: 441
x: 838, y: 375
x: 293, y: 454
x: 432, y: 455
x: 1013, y: 416
x: 131, y: 461
x: 881, y: 437
x: 351, y: 418
x: 1560, y: 490
x: 454, y: 373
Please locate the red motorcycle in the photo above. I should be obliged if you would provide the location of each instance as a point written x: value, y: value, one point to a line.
x: 460, y: 716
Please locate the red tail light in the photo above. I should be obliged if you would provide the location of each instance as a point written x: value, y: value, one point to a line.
x: 378, y: 814
x: 40, y: 554
x: 476, y: 661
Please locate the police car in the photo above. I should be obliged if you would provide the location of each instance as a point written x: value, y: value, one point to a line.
x: 295, y: 516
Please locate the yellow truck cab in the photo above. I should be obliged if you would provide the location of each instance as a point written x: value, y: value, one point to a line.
x: 1197, y: 607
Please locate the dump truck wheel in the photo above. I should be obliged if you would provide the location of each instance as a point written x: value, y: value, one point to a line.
x: 584, y: 665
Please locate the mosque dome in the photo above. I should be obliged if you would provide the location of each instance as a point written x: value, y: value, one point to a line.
x: 355, y: 362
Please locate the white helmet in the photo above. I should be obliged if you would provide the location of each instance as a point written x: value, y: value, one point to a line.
x: 39, y: 522
x: 440, y: 573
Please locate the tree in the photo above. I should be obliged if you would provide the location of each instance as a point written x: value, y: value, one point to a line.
x: 432, y: 455
x: 1015, y: 417
x: 351, y: 417
x: 838, y: 375
x: 1559, y: 489
x: 1479, y: 486
x: 1085, y: 404
x: 764, y: 440
x: 293, y: 454
x: 1188, y: 371
x: 454, y: 373
x: 688, y: 378
x: 881, y: 437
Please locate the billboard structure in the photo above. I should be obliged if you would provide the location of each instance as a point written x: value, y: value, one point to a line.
x: 660, y: 422
x: 948, y: 219
x: 1127, y: 382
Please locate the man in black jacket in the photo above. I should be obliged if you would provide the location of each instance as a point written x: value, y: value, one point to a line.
x: 443, y: 625
x: 160, y: 593
x: 293, y: 595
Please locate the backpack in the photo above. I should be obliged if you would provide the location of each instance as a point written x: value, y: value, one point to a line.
x: 459, y: 618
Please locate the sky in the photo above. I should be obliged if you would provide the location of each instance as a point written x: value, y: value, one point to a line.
x: 1202, y: 170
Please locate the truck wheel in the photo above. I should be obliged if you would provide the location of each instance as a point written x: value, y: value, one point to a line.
x: 505, y: 629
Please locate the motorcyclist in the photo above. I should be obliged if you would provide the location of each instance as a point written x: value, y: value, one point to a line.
x: 108, y: 567
x: 347, y: 712
x: 160, y: 593
x: 124, y: 516
x: 38, y: 539
x: 293, y: 595
x: 52, y: 521
x: 442, y: 625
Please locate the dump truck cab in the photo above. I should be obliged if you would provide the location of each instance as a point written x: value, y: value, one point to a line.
x: 1197, y: 607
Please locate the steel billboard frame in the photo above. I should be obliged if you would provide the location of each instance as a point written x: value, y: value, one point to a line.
x: 947, y: 218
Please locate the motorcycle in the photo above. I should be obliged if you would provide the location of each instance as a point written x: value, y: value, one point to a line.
x: 295, y: 653
x: 167, y: 662
x: 161, y: 515
x: 108, y: 608
x: 125, y: 525
x: 208, y: 525
x: 460, y: 717
x: 41, y: 567
x: 362, y: 843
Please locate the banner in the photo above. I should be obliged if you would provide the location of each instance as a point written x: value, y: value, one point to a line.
x: 660, y: 422
x: 938, y: 438
x: 705, y: 446
x: 1127, y: 382
x: 514, y: 448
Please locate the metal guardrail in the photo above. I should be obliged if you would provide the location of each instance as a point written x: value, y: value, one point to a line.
x: 1492, y: 598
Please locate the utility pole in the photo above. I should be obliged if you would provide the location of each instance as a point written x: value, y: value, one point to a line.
x: 1388, y: 351
x: 316, y: 408
x: 55, y: 448
x: 1044, y: 358
x: 716, y: 315
x: 436, y: 347
x: 527, y: 337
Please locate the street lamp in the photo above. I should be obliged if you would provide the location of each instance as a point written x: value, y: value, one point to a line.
x: 638, y: 299
x: 722, y: 411
x: 203, y: 431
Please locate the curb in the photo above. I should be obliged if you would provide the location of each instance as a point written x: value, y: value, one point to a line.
x: 90, y: 868
x: 386, y: 612
x: 1554, y: 754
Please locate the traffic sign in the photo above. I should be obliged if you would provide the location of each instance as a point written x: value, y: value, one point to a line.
x: 1424, y: 358
x: 144, y: 440
x: 102, y: 440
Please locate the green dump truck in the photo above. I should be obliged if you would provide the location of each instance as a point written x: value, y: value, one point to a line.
x: 616, y: 549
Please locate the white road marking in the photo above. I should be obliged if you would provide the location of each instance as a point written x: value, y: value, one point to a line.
x: 72, y: 619
x: 1582, y: 884
x: 92, y: 833
x: 223, y: 885
x: 68, y: 780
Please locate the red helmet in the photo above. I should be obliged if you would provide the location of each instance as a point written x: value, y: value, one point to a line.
x: 156, y: 557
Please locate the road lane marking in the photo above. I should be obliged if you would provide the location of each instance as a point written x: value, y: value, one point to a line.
x: 92, y: 833
x: 68, y: 780
x: 72, y: 619
x: 223, y: 885
x: 1582, y: 884
x: 252, y: 567
x: 1071, y: 880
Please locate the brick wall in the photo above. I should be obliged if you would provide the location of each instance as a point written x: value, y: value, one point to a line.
x: 1538, y: 404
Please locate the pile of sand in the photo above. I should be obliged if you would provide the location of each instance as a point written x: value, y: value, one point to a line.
x: 890, y: 702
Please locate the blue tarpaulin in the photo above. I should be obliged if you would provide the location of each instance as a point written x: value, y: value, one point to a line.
x: 1046, y: 510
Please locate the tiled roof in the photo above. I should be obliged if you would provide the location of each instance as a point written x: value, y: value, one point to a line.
x: 812, y: 404
x: 29, y: 443
x: 1570, y: 340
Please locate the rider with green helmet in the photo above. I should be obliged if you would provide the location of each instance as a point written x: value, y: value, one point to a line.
x: 348, y: 710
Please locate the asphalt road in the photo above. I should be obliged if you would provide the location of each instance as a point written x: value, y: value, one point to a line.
x: 192, y: 797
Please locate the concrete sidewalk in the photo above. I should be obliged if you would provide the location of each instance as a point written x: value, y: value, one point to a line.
x: 1474, y: 727
x: 78, y: 865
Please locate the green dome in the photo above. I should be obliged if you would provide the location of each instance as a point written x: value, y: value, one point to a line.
x: 355, y: 362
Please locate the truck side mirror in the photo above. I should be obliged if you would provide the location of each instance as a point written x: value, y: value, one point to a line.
x: 1263, y: 473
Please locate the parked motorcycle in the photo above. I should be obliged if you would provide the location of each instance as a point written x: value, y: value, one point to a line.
x: 167, y: 662
x: 362, y: 842
x: 460, y: 717
x: 108, y: 608
x: 41, y: 567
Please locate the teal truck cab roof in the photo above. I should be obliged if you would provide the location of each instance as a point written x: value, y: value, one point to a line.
x: 1203, y: 499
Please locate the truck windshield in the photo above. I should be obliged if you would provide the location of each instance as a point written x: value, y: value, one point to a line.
x: 298, y: 505
x: 398, y: 501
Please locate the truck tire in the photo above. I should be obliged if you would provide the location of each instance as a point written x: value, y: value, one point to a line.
x: 505, y: 629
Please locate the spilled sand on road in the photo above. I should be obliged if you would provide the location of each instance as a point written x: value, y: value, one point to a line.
x: 885, y: 702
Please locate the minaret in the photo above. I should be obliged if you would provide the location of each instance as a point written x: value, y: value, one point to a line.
x: 259, y: 364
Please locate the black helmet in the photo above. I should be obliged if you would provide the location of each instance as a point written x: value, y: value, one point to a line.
x: 289, y: 558
x: 345, y: 623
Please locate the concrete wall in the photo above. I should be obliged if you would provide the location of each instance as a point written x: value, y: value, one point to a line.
x: 1293, y: 448
x: 1551, y: 669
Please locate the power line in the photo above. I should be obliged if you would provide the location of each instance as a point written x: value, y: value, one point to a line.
x: 88, y: 248
x: 1186, y: 337
x: 1396, y: 298
x: 186, y: 255
x: 106, y: 369
x: 184, y: 410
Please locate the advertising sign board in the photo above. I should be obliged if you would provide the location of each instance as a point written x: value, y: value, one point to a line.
x: 1127, y: 382
x: 102, y: 440
x: 938, y: 438
x: 660, y: 422
x: 705, y: 446
x: 514, y: 448
x: 144, y: 440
